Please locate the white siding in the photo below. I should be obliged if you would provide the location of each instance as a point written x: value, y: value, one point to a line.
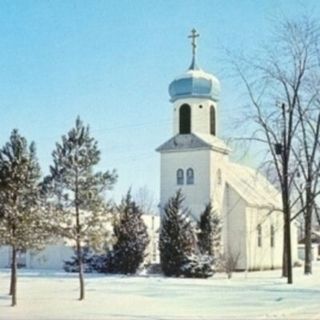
x: 264, y: 257
x: 200, y: 116
x: 234, y: 226
x: 4, y: 256
x: 51, y: 257
x: 198, y: 194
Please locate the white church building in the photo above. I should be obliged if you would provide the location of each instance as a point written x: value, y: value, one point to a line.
x: 196, y: 161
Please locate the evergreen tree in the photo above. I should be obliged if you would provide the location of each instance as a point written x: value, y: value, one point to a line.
x: 77, y: 192
x: 22, y: 223
x: 72, y: 265
x: 132, y: 238
x: 209, y: 237
x: 177, y: 238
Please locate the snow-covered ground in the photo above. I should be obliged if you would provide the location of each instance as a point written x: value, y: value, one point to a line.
x: 257, y: 295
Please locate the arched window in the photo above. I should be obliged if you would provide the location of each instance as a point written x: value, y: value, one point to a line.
x: 259, y: 234
x: 212, y: 120
x: 272, y: 236
x: 219, y: 177
x: 185, y: 119
x: 180, y: 178
x: 190, y: 176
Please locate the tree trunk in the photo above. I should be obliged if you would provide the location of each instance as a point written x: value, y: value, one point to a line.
x: 80, y: 265
x: 307, y: 231
x: 308, y: 247
x: 284, y: 253
x: 287, y: 216
x: 288, y: 243
x: 13, y: 286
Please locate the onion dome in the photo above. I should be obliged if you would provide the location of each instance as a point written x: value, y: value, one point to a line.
x: 194, y: 83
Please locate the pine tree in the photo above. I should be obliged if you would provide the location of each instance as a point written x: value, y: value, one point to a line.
x: 132, y: 238
x: 22, y: 223
x: 77, y: 192
x: 209, y: 237
x: 72, y: 265
x: 177, y: 238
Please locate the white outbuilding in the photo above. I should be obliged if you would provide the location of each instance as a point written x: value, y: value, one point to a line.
x: 196, y: 161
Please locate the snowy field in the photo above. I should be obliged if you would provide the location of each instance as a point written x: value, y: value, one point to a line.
x: 257, y: 295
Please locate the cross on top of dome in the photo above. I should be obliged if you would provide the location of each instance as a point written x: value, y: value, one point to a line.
x: 194, y: 35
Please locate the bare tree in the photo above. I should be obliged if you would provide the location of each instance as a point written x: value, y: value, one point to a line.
x: 282, y: 83
x: 308, y: 158
x: 144, y: 198
x: 228, y: 262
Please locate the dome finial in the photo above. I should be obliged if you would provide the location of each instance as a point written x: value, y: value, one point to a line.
x: 193, y: 36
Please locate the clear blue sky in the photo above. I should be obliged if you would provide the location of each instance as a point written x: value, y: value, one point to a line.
x: 111, y: 63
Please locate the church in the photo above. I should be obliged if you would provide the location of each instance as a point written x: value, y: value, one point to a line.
x: 196, y: 161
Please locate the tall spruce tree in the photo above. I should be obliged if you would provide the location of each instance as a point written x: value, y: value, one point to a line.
x: 209, y: 237
x: 132, y: 237
x: 22, y: 223
x: 177, y: 238
x: 77, y: 192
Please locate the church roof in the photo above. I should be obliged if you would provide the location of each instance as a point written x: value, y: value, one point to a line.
x: 252, y: 186
x: 195, y: 83
x: 181, y: 142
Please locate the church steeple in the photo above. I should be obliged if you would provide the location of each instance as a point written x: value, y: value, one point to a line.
x: 195, y: 95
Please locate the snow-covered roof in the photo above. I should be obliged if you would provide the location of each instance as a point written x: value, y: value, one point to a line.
x: 193, y: 141
x: 252, y: 186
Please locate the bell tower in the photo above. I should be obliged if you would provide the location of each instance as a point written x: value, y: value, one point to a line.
x: 189, y: 159
x: 195, y: 95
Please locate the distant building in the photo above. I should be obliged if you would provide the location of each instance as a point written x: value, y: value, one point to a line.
x: 54, y: 254
x: 196, y: 161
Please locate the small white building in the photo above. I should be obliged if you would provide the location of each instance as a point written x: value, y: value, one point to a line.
x: 196, y: 161
x: 53, y: 256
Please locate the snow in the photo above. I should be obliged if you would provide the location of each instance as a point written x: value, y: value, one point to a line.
x: 256, y: 295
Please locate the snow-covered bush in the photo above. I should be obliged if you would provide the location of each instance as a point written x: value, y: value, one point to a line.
x: 198, y: 266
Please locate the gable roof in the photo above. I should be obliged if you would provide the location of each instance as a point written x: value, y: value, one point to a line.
x: 252, y: 186
x: 182, y: 142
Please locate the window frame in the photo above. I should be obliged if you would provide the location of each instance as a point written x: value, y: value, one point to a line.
x: 272, y: 242
x: 185, y: 119
x: 213, y: 128
x: 180, y: 177
x: 190, y: 177
x: 259, y: 235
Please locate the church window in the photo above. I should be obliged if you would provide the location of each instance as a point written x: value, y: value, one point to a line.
x: 272, y: 236
x: 185, y: 119
x: 180, y: 178
x: 190, y: 176
x: 219, y: 177
x: 200, y: 107
x: 212, y: 120
x: 259, y: 230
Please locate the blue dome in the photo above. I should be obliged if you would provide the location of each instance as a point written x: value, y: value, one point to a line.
x: 195, y: 83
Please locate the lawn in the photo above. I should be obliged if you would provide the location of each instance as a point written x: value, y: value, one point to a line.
x: 256, y: 295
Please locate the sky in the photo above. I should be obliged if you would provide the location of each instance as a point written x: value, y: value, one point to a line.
x: 111, y: 63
